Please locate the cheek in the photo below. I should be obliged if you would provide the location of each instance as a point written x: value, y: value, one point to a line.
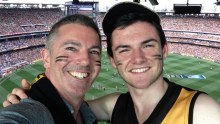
x: 120, y: 61
x: 57, y: 66
x: 95, y: 63
x: 151, y: 52
x: 59, y: 62
x: 63, y: 57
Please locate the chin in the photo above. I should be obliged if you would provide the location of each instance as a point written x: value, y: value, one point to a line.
x: 141, y: 85
x: 78, y: 91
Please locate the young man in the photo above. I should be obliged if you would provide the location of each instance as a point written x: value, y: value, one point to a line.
x: 72, y: 62
x: 137, y: 47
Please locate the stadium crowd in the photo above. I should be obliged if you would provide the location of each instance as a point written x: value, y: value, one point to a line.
x: 19, y: 43
x: 18, y: 53
x: 18, y: 21
x: 195, y: 24
x: 192, y: 36
x: 19, y: 58
x: 202, y: 52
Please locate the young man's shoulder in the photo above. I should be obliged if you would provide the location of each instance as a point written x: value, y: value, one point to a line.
x: 206, y: 110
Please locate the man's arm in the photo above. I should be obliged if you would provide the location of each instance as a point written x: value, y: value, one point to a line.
x: 27, y: 111
x: 103, y: 106
x: 17, y: 94
x: 206, y: 110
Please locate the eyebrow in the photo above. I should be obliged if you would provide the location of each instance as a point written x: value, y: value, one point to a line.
x: 71, y: 43
x: 144, y: 42
x: 75, y: 43
x: 121, y: 46
x: 96, y: 47
x: 149, y: 40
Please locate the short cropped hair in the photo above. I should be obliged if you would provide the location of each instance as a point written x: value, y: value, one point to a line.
x: 75, y: 19
x: 129, y: 19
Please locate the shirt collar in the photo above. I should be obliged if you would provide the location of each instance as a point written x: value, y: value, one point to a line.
x: 87, y: 115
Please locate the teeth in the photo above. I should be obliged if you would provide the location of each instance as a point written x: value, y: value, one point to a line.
x: 79, y: 75
x: 139, y: 70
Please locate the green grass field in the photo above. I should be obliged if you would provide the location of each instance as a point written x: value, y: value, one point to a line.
x: 109, y: 81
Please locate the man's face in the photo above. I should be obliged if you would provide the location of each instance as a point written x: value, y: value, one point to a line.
x: 74, y: 60
x: 138, y: 55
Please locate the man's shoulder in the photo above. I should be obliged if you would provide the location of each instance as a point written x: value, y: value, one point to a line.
x: 26, y: 112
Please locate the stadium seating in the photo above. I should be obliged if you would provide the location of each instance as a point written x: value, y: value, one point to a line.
x: 187, y: 35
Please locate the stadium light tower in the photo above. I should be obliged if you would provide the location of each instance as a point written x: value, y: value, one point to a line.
x: 75, y: 1
x: 217, y: 2
x: 137, y: 1
x: 187, y: 8
x: 153, y: 2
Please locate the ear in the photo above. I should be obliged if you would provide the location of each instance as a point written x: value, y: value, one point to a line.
x: 112, y: 61
x: 46, y: 58
x: 165, y: 50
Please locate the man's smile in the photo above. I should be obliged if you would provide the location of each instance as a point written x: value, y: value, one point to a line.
x: 139, y: 70
x: 79, y: 75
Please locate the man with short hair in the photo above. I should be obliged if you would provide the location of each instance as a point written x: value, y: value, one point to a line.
x: 72, y: 62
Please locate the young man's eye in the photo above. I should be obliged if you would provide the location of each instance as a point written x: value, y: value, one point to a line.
x: 124, y: 50
x: 148, y: 45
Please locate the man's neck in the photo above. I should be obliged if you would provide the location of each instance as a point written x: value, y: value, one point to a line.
x: 145, y: 100
x: 75, y: 110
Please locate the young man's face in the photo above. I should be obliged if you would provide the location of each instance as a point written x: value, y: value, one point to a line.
x: 137, y: 54
x: 74, y: 60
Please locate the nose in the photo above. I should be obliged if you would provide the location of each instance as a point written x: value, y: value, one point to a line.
x: 138, y: 56
x: 83, y: 58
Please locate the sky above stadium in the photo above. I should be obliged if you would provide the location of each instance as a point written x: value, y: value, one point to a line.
x: 208, y: 5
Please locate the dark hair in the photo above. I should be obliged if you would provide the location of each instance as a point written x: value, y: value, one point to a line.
x: 128, y: 19
x: 78, y: 19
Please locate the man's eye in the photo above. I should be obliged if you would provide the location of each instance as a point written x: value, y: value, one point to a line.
x: 71, y: 48
x: 95, y: 52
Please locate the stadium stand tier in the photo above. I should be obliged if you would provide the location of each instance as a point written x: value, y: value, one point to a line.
x: 22, y: 34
